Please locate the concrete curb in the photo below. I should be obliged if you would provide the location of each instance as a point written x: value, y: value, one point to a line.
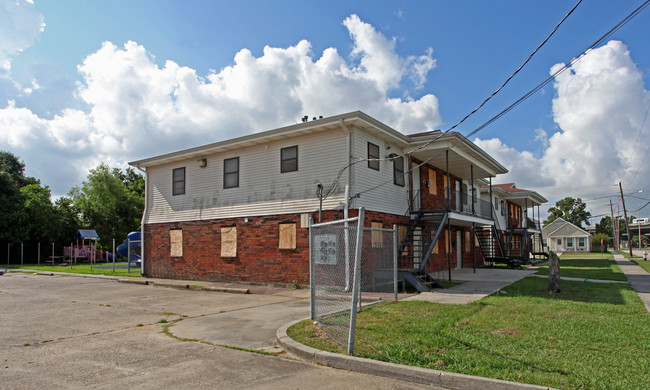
x: 395, y: 371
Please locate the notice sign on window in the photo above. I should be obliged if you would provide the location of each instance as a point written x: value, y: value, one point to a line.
x: 327, y: 248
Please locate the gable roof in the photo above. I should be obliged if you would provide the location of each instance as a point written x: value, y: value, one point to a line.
x: 563, y: 223
x: 86, y: 235
x: 509, y: 191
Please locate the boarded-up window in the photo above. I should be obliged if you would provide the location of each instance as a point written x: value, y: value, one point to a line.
x: 176, y: 243
x: 376, y: 235
x: 401, y: 234
x: 229, y: 241
x: 467, y: 241
x: 433, y: 189
x: 435, y: 247
x: 287, y: 236
x: 445, y: 185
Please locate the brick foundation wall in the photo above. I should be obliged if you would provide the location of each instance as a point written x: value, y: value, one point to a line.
x: 258, y: 258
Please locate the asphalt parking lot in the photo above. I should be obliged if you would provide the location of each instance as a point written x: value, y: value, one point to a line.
x: 75, y: 332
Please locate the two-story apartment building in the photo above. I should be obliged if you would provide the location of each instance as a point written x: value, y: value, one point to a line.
x: 239, y: 209
x: 514, y: 208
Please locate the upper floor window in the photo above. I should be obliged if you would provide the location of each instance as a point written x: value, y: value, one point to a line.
x: 373, y: 156
x: 398, y: 171
x: 496, y: 203
x: 231, y: 172
x: 289, y: 159
x: 503, y: 207
x: 178, y: 181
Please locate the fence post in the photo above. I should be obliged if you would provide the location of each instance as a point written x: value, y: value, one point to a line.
x: 356, y: 285
x: 395, y: 243
x: 113, y: 255
x: 52, y: 254
x: 311, y: 270
x: 71, y: 252
x: 39, y: 254
x: 21, y: 253
x: 8, y: 252
x: 128, y: 254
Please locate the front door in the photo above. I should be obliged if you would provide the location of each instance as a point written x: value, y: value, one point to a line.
x: 459, y: 249
x: 558, y: 245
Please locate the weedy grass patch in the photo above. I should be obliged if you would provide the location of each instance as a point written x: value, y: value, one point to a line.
x: 590, y: 335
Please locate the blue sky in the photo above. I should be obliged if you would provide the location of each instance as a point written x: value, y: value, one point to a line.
x: 67, y: 85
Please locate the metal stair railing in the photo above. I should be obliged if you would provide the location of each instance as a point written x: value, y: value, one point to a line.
x: 427, y: 254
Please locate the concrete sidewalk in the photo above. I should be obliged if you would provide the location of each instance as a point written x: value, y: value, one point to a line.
x: 475, y: 286
x: 638, y: 277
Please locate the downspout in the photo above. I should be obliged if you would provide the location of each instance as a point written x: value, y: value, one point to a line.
x: 145, y: 215
x: 346, y: 212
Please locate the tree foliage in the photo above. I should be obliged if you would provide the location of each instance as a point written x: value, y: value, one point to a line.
x: 110, y: 201
x: 571, y: 210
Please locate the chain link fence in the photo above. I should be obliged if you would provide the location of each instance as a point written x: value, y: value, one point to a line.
x: 344, y: 258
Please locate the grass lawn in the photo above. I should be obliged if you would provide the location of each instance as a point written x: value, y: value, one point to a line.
x: 590, y: 335
x: 588, y: 266
x: 84, y: 269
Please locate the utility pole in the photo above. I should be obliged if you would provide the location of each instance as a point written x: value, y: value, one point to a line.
x: 627, y: 223
x: 614, y: 240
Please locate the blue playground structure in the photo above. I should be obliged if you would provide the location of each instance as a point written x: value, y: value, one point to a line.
x: 131, y: 248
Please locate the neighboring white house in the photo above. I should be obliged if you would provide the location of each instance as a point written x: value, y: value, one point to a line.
x: 563, y: 236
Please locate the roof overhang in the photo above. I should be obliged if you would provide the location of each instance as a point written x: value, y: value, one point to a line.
x: 341, y: 122
x: 464, y: 156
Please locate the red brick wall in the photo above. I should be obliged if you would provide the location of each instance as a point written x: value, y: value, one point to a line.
x: 440, y: 261
x: 437, y: 201
x: 258, y: 259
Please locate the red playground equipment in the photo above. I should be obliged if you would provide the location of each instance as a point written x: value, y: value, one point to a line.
x: 87, y: 251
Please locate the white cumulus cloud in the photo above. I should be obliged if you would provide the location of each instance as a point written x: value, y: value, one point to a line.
x: 599, y: 107
x: 136, y: 108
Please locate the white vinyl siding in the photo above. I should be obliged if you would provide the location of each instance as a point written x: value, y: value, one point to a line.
x: 388, y: 197
x: 262, y: 190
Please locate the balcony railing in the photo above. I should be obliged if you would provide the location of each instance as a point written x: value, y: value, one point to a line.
x: 462, y: 202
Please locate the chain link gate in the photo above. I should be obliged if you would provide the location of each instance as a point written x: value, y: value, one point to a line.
x: 346, y: 258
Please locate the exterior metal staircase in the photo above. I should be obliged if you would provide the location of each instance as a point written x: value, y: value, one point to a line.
x: 493, y: 249
x: 416, y: 248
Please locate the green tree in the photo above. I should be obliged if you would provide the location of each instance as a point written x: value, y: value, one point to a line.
x: 109, y: 202
x: 635, y: 241
x: 600, y: 237
x: 41, y: 222
x: 571, y: 210
x: 68, y: 220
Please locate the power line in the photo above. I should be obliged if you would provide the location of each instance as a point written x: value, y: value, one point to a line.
x: 518, y: 69
x: 577, y: 58
x: 564, y: 68
x: 557, y: 26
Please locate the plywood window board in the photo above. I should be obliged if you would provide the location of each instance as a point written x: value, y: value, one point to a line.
x: 229, y: 241
x: 287, y: 236
x: 176, y: 243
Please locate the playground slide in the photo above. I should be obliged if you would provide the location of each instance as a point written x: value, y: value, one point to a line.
x: 133, y: 241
